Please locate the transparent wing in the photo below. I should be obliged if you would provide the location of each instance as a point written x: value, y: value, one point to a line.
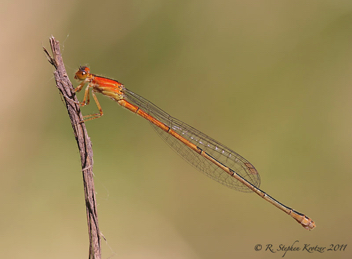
x: 221, y: 153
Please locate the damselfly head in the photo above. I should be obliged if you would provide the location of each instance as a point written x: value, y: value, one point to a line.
x: 82, y: 73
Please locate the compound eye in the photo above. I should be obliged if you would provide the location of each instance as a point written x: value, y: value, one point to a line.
x: 82, y: 73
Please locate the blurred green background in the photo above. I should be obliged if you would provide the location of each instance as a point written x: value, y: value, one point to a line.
x: 270, y: 79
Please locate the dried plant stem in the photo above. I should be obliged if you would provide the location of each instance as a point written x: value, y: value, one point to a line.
x: 65, y: 87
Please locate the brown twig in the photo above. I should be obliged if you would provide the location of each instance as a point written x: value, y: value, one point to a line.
x: 65, y: 87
